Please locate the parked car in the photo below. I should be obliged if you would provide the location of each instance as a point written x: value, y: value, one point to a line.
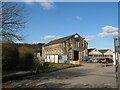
x: 105, y: 60
x: 99, y: 60
x: 89, y: 60
x: 95, y: 60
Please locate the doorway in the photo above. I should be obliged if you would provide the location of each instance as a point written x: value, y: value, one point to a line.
x: 76, y: 55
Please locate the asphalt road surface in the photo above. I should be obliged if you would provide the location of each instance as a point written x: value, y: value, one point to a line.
x: 90, y: 75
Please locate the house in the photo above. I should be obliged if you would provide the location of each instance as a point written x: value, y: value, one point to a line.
x: 106, y: 53
x: 73, y: 47
x: 94, y: 53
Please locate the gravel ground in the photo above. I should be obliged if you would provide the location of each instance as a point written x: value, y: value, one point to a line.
x: 90, y: 75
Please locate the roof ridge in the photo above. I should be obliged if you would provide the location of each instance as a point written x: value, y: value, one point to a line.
x: 60, y: 39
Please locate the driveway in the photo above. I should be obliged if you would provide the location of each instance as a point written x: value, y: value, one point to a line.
x: 90, y: 75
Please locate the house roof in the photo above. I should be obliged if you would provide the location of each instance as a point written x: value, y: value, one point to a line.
x: 60, y: 40
x: 89, y: 50
x: 104, y: 50
x: 94, y: 51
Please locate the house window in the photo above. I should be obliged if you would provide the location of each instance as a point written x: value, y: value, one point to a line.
x: 60, y: 57
x: 70, y: 54
x: 78, y: 44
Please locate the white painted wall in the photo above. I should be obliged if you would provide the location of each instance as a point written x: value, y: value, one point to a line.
x: 64, y: 57
x: 95, y: 52
x: 55, y: 58
x: 109, y: 52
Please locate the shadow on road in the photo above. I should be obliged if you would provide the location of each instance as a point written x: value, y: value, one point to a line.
x: 51, y: 85
x: 64, y: 74
x: 57, y: 79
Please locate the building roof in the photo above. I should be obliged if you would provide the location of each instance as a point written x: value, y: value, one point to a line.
x: 60, y: 40
x: 94, y: 51
x: 103, y: 50
x: 89, y: 50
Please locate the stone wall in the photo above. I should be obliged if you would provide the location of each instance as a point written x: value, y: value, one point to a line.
x: 68, y: 47
x: 53, y: 49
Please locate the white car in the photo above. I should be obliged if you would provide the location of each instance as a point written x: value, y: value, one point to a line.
x: 95, y: 60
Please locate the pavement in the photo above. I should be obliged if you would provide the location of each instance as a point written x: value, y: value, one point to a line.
x: 90, y: 75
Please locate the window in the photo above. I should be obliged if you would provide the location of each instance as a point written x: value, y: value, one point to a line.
x: 60, y: 57
x: 78, y: 44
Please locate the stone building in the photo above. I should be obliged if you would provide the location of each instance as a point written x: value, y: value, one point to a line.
x: 74, y: 46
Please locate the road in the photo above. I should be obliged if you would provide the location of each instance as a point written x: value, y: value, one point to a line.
x: 90, y: 75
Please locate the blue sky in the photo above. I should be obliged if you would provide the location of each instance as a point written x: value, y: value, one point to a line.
x: 97, y: 22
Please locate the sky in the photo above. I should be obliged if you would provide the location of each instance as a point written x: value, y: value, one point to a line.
x: 97, y: 22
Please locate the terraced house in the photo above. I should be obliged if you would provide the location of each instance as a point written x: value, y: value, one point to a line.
x: 71, y: 48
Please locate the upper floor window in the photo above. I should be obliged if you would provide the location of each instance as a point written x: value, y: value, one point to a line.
x: 78, y: 44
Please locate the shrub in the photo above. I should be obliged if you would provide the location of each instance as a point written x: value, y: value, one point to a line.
x: 46, y: 65
x: 9, y: 56
x: 26, y: 58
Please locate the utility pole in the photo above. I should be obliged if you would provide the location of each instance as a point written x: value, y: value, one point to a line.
x: 116, y: 49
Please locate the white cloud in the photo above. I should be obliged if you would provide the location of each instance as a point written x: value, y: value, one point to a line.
x: 19, y: 42
x: 35, y: 0
x: 106, y: 34
x: 47, y: 5
x: 35, y: 42
x: 29, y: 0
x: 89, y: 38
x: 109, y: 29
x: 48, y: 37
x: 78, y: 17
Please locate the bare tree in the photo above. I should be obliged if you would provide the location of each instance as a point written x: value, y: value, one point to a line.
x: 13, y: 20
